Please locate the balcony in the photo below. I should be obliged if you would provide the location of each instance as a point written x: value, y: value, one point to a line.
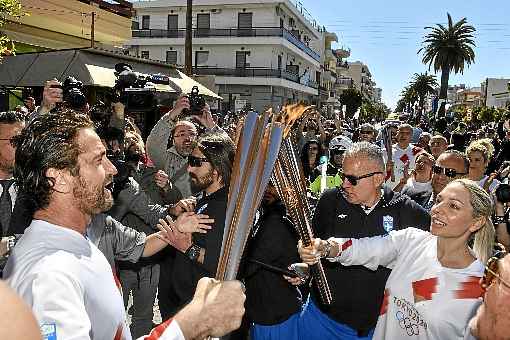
x: 345, y: 82
x: 230, y: 32
x: 252, y: 72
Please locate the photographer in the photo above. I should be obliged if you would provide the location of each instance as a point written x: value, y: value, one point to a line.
x: 182, y: 134
x: 68, y: 94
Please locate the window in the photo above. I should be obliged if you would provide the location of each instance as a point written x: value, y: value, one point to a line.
x: 242, y: 59
x: 291, y: 22
x: 171, y: 57
x: 203, y: 24
x: 146, y: 22
x: 203, y: 21
x: 201, y: 58
x: 245, y: 20
x: 173, y: 22
x: 135, y: 25
x: 279, y: 62
x: 145, y: 54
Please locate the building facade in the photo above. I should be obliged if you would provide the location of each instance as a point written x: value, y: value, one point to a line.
x: 496, y: 92
x: 64, y: 24
x: 261, y: 54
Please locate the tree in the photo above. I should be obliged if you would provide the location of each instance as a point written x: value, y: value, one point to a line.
x: 8, y: 8
x: 352, y: 99
x: 423, y: 84
x: 448, y: 49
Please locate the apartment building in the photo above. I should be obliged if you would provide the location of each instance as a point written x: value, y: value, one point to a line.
x: 263, y: 53
x: 495, y: 92
x: 327, y: 85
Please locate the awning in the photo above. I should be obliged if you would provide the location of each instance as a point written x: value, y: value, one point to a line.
x: 93, y: 67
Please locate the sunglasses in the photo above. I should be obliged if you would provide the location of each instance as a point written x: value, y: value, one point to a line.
x: 354, y: 179
x: 337, y: 151
x: 492, y: 269
x: 366, y: 132
x: 196, y: 162
x: 451, y: 173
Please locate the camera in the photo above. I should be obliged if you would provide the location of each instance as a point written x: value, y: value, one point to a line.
x: 503, y: 193
x: 196, y: 102
x: 72, y: 93
x: 135, y: 90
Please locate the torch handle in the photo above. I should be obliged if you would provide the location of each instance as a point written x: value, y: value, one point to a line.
x: 319, y: 277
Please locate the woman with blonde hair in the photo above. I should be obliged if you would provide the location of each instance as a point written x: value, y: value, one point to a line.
x: 480, y: 153
x: 433, y: 289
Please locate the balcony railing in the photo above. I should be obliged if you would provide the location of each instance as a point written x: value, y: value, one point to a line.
x: 344, y: 82
x: 252, y: 72
x: 230, y: 32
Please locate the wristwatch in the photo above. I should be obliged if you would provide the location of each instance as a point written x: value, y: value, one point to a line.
x: 193, y: 252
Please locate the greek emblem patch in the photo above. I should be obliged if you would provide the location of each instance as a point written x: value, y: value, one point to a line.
x: 388, y: 223
x: 49, y: 331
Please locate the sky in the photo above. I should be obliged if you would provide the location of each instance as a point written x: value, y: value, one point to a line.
x: 386, y: 35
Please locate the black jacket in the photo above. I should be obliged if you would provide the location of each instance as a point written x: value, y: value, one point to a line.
x: 186, y: 273
x: 270, y: 299
x: 422, y: 198
x: 357, y: 291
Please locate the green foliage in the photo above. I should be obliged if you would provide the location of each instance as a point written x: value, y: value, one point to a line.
x: 8, y: 9
x: 370, y: 110
x: 352, y: 98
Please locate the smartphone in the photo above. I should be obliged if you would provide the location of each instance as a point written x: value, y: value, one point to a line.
x: 275, y: 269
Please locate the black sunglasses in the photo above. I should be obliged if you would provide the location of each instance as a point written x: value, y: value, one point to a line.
x: 196, y: 162
x: 452, y: 173
x: 354, y: 179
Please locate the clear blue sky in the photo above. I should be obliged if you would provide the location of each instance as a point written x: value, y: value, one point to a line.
x: 386, y: 35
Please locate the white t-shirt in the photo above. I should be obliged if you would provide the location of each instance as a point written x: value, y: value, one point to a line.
x: 417, y: 187
x: 423, y: 300
x: 400, y: 158
x: 69, y: 285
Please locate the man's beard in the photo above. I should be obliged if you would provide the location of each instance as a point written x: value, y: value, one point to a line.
x: 92, y: 200
x: 7, y: 167
x: 201, y: 183
x: 184, y: 151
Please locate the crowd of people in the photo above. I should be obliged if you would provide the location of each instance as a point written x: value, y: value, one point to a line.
x: 99, y: 223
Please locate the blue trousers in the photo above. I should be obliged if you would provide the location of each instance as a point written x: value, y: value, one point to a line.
x: 315, y: 325
x: 287, y: 330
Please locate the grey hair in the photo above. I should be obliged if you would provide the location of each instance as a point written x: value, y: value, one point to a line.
x: 481, y: 203
x: 367, y: 151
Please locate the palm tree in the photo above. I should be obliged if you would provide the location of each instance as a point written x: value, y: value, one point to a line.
x: 448, y: 49
x: 423, y: 84
x: 408, y: 97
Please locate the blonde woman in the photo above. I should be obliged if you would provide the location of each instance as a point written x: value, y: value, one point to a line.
x: 433, y: 289
x: 480, y: 153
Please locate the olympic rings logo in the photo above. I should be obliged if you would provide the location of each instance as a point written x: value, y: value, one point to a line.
x: 406, y: 324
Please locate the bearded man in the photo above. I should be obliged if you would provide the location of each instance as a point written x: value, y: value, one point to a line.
x: 56, y: 268
x: 209, y: 167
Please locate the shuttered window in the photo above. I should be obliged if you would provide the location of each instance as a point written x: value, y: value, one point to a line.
x: 173, y: 22
x: 171, y: 57
x: 203, y: 21
x: 146, y: 22
x: 244, y: 20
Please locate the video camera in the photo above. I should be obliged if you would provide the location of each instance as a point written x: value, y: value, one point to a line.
x: 72, y: 94
x: 196, y: 102
x: 135, y: 90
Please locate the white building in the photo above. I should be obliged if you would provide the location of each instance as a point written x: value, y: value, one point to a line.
x: 261, y: 53
x: 496, y: 92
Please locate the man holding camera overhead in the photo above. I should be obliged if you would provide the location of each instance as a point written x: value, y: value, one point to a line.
x: 182, y: 133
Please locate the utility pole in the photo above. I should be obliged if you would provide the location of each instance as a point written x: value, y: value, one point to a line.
x: 188, y: 43
x: 92, y: 30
